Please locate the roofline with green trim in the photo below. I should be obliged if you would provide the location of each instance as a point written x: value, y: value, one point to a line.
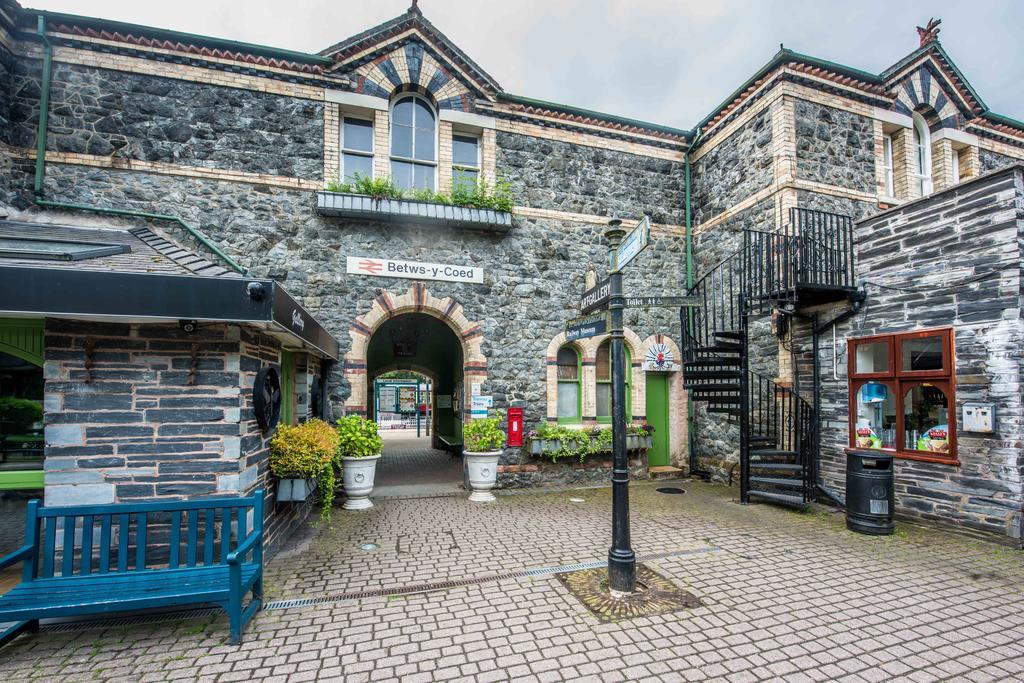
x: 179, y: 36
x: 520, y: 99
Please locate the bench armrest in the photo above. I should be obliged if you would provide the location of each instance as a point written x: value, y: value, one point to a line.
x: 19, y: 555
x: 245, y: 548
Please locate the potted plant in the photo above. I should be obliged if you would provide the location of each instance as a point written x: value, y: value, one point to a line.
x: 483, y: 442
x: 301, y: 457
x: 359, y: 447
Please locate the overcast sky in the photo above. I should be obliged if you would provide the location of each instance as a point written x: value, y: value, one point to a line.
x: 666, y: 61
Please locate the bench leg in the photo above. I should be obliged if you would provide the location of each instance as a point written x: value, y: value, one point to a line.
x: 30, y: 626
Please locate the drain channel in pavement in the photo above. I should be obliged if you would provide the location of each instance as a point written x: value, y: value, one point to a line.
x: 360, y: 595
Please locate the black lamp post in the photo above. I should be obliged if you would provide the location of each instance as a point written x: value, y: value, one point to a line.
x: 621, y: 558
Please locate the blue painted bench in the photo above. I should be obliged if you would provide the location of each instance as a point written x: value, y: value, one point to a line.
x: 98, y: 559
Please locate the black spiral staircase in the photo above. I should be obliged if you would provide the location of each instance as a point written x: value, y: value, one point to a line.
x: 809, y: 261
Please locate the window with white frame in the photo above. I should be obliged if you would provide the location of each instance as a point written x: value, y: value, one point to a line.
x: 413, y: 144
x: 890, y: 185
x: 465, y: 159
x: 356, y: 148
x: 922, y: 171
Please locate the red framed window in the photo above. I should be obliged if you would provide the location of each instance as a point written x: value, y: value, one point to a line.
x: 902, y: 394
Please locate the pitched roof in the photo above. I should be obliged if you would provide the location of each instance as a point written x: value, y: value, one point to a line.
x: 148, y: 250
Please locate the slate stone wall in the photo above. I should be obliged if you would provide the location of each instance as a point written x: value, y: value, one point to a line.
x: 533, y: 276
x: 834, y: 147
x: 131, y: 428
x: 6, y: 163
x: 134, y: 116
x: 734, y: 169
x: 956, y: 258
x: 550, y: 174
x: 990, y: 160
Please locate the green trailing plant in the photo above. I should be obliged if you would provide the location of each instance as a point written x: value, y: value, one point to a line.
x: 306, y: 451
x: 20, y: 413
x: 483, y: 435
x: 580, y: 443
x: 469, y: 193
x: 358, y: 437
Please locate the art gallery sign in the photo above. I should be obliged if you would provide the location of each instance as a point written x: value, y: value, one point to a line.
x: 414, y: 270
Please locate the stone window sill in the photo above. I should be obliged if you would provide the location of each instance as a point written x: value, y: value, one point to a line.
x: 408, y: 211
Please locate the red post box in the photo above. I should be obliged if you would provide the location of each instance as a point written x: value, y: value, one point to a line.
x: 515, y: 426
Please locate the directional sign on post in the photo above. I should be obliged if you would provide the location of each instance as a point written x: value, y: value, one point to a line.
x: 596, y: 297
x: 587, y: 326
x: 661, y: 301
x: 632, y: 244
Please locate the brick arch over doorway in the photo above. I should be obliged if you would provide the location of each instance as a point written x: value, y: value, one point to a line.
x: 417, y: 299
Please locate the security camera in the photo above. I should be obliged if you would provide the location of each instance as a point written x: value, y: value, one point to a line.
x: 188, y: 326
x: 256, y: 291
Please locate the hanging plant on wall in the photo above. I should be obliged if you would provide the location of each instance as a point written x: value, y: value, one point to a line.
x: 307, y: 451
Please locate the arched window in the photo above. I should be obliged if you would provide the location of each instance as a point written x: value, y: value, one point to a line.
x: 604, y: 382
x: 569, y: 394
x: 922, y: 170
x: 413, y: 144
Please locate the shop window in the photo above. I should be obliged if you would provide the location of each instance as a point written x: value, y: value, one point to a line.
x: 465, y: 160
x: 413, y: 144
x: 922, y: 156
x: 356, y: 148
x: 569, y: 394
x: 902, y: 394
x: 604, y: 382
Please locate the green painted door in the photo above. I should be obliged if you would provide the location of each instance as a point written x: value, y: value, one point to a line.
x: 657, y: 417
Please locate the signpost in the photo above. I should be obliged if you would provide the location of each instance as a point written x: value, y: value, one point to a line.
x: 595, y: 298
x: 605, y: 303
x: 631, y: 245
x: 661, y: 301
x: 587, y: 326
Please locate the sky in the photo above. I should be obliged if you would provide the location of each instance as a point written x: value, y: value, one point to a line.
x: 665, y: 61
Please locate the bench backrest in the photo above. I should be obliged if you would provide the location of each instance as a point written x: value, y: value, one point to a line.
x: 128, y: 537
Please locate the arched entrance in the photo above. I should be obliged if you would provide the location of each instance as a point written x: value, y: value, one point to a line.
x: 418, y: 332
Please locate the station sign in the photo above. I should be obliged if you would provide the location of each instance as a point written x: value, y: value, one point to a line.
x: 414, y: 270
x: 587, y: 326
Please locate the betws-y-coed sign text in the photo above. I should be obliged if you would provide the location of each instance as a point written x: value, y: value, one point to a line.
x: 414, y: 270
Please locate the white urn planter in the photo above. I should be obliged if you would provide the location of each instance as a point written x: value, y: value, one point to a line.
x: 483, y: 472
x: 294, y: 490
x: 357, y: 478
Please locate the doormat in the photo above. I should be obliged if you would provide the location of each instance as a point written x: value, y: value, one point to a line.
x: 655, y: 594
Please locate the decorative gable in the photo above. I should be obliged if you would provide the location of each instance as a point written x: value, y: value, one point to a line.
x: 412, y: 67
x: 409, y: 53
x: 925, y: 86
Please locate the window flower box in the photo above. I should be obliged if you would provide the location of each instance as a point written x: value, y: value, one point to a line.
x: 634, y: 442
x: 411, y: 211
x: 294, y: 490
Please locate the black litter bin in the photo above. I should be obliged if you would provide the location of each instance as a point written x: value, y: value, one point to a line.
x: 869, y: 492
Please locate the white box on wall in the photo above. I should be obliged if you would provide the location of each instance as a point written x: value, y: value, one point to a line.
x: 979, y: 418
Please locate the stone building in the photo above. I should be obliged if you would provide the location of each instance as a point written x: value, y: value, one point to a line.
x: 237, y: 152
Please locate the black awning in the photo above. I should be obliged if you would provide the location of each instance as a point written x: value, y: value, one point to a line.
x: 63, y: 292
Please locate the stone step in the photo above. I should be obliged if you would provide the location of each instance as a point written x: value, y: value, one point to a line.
x: 664, y: 472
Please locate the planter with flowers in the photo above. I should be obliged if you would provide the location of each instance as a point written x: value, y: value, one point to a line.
x: 556, y: 441
x: 484, y: 442
x: 302, y: 459
x: 359, y: 448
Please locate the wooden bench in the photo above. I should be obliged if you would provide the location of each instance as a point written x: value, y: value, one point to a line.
x: 97, y: 559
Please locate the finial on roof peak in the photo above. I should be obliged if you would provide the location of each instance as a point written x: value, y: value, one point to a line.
x: 928, y: 34
x: 414, y: 8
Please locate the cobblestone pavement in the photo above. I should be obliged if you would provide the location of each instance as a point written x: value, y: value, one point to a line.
x: 786, y: 595
x: 409, y: 466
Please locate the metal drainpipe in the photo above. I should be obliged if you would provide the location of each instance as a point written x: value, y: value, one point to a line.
x: 44, y: 105
x: 41, y: 136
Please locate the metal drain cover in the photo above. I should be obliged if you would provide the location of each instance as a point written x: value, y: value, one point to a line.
x: 670, y: 489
